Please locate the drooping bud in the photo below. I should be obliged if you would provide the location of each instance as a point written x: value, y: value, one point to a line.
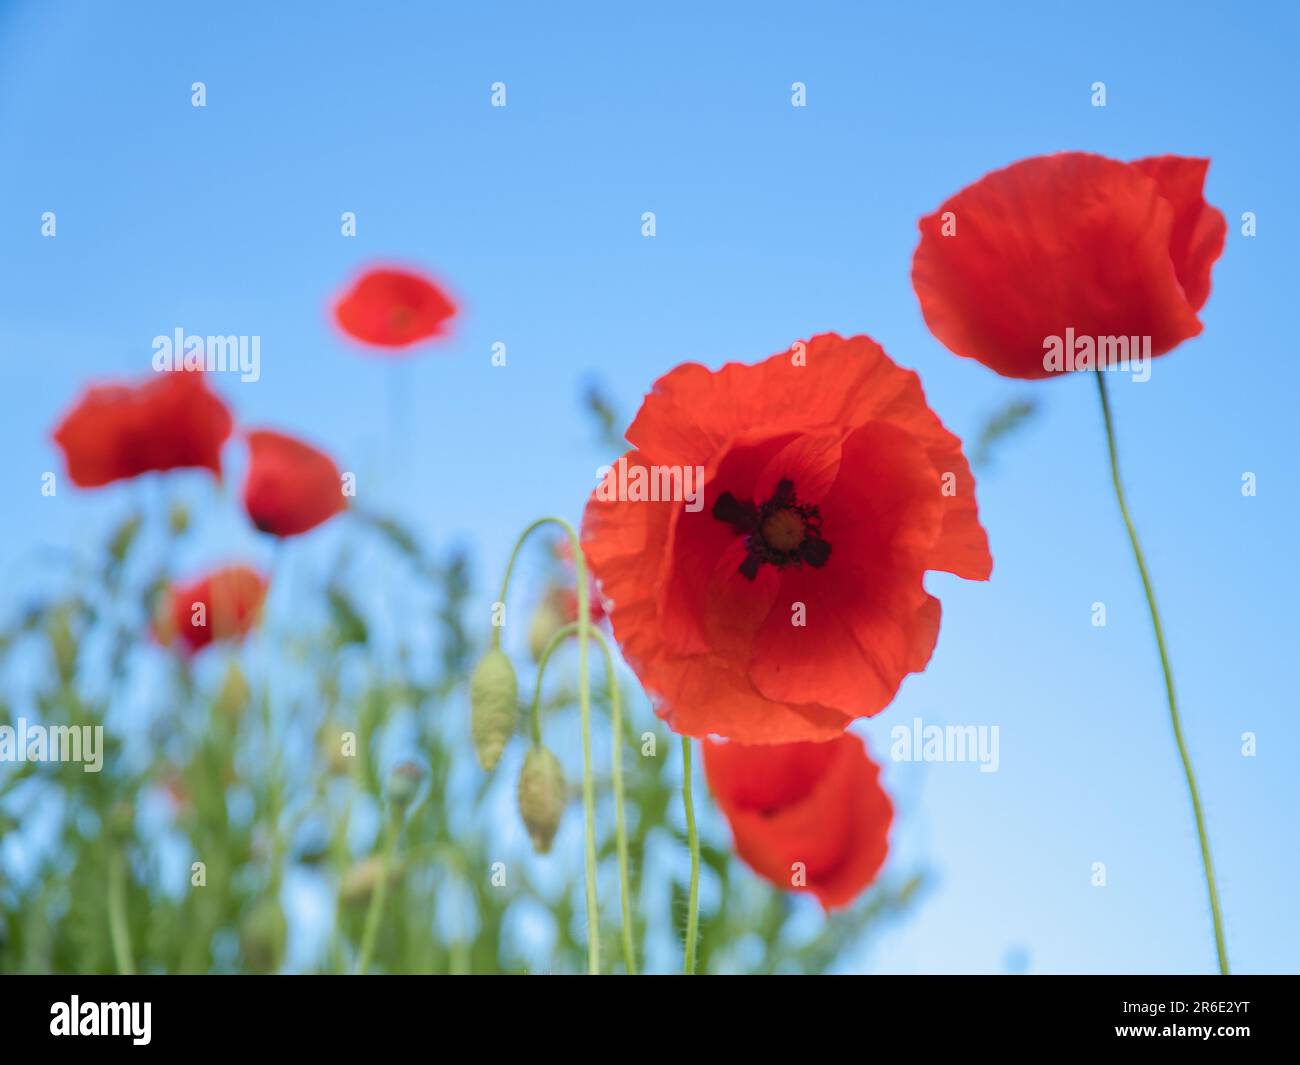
x: 494, y: 706
x: 403, y: 783
x: 547, y: 621
x: 541, y: 796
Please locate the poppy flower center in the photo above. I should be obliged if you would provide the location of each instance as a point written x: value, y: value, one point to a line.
x: 782, y: 531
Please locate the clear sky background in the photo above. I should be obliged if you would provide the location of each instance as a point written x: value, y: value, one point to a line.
x: 774, y: 223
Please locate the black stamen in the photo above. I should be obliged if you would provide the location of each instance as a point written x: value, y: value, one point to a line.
x: 749, y: 521
x: 743, y: 517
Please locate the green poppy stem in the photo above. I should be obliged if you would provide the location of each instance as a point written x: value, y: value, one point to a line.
x: 693, y: 839
x: 616, y: 771
x: 584, y: 707
x: 375, y: 911
x: 1201, y: 832
x: 118, y: 928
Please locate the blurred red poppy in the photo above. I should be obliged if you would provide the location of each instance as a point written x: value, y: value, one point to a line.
x: 291, y: 487
x: 118, y: 431
x: 785, y: 598
x: 565, y: 596
x: 1070, y: 241
x: 391, y: 307
x: 222, y: 605
x: 806, y: 816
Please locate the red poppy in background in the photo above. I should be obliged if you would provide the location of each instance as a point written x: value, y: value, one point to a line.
x: 565, y: 596
x: 787, y: 599
x: 222, y: 605
x: 291, y: 487
x: 119, y: 431
x: 806, y: 816
x: 1068, y: 241
x: 393, y: 308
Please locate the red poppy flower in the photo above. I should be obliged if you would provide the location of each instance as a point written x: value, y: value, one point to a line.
x: 222, y: 605
x: 1068, y: 241
x: 806, y: 816
x: 291, y: 487
x: 786, y: 598
x: 393, y: 308
x: 118, y: 431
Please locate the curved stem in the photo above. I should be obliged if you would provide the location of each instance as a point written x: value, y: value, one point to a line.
x: 693, y: 839
x: 118, y: 928
x: 370, y: 931
x: 535, y: 712
x: 616, y: 771
x: 584, y: 706
x: 1201, y: 832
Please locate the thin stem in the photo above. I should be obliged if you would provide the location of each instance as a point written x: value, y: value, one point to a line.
x: 693, y: 839
x: 620, y: 826
x: 535, y: 713
x: 1201, y: 832
x: 584, y: 706
x: 118, y: 929
x: 616, y: 772
x: 374, y: 913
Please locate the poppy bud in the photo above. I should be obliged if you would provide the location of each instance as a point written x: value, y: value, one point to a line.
x: 547, y: 621
x: 541, y: 796
x: 494, y: 706
x: 403, y: 783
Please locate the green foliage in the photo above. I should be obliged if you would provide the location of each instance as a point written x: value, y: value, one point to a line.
x: 237, y: 784
x: 1003, y: 423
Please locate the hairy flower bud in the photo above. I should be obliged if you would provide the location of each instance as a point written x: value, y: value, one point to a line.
x: 494, y: 706
x: 541, y: 796
x: 547, y: 621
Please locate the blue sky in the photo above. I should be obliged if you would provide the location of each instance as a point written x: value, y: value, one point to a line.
x: 773, y: 223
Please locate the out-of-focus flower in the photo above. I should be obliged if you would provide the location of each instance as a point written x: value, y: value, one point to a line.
x: 1072, y: 241
x: 787, y: 598
x: 291, y: 487
x: 806, y: 816
x: 391, y: 307
x: 222, y: 605
x: 119, y: 431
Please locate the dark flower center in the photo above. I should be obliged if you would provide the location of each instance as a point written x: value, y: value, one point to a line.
x: 783, y: 531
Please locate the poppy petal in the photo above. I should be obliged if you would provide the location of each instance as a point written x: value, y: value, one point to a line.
x: 1199, y: 230
x: 1057, y: 242
x: 291, y: 487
